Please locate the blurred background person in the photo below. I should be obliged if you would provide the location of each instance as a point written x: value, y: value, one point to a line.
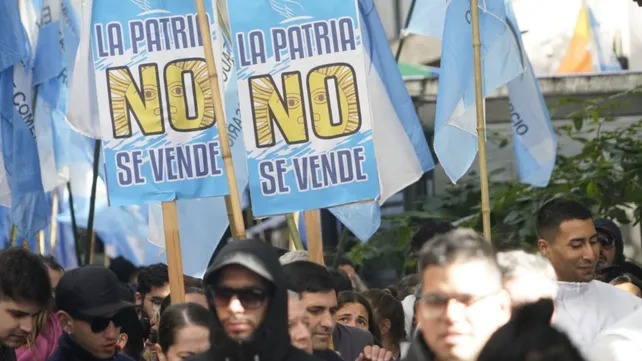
x: 355, y: 311
x: 530, y: 336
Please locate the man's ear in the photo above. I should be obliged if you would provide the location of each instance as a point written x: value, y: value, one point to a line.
x: 122, y: 341
x: 544, y: 247
x: 66, y: 321
x: 139, y: 299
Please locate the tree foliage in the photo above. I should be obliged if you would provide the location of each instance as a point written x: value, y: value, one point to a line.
x: 606, y: 175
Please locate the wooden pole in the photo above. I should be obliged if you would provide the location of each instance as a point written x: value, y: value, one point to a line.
x: 481, y: 122
x: 295, y: 236
x: 173, y: 251
x: 53, y: 236
x: 312, y: 221
x: 92, y: 248
x: 41, y: 242
x: 92, y: 204
x: 233, y: 200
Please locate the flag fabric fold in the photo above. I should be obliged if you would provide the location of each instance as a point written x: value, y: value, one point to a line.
x: 402, y: 151
x: 534, y: 140
x: 455, y: 119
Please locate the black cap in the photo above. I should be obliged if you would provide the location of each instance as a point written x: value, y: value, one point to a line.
x: 90, y: 291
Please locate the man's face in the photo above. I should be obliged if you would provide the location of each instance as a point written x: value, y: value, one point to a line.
x: 16, y: 321
x: 320, y: 308
x: 152, y: 303
x: 298, y: 325
x: 460, y: 309
x: 574, y: 250
x: 241, y: 300
x: 101, y: 344
x: 607, y: 250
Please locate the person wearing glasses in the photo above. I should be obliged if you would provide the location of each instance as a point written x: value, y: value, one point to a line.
x: 611, y: 246
x: 91, y: 312
x: 569, y: 239
x: 462, y: 302
x: 247, y: 293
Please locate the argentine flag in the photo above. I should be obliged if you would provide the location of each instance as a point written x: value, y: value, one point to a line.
x: 401, y: 148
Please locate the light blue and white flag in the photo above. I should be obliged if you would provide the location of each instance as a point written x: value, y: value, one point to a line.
x: 428, y: 18
x: 402, y: 151
x: 14, y: 45
x: 456, y: 143
x: 534, y: 139
x: 603, y: 56
x: 455, y: 120
x: 29, y: 206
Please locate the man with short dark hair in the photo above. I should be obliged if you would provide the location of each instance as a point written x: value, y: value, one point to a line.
x: 318, y: 294
x: 247, y: 293
x: 91, y: 312
x: 25, y: 291
x: 462, y: 302
x: 153, y: 287
x: 567, y: 237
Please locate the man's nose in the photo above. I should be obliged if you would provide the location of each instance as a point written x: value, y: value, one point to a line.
x: 327, y: 320
x: 26, y: 324
x: 235, y: 305
x: 454, y: 310
x: 591, y: 251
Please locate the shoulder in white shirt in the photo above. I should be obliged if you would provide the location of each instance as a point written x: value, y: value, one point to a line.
x: 584, y: 310
x: 621, y: 342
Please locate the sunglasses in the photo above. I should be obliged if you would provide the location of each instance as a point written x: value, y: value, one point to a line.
x: 100, y: 324
x: 250, y: 297
x: 606, y: 242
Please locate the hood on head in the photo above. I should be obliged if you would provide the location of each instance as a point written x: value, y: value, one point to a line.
x: 609, y: 227
x: 271, y: 339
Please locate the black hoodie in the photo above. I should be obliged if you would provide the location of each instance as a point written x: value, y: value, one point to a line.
x: 271, y: 340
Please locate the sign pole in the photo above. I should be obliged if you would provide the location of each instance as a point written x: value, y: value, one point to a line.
x: 53, y: 236
x: 173, y: 252
x: 312, y: 221
x: 481, y: 123
x: 233, y: 201
x: 295, y: 237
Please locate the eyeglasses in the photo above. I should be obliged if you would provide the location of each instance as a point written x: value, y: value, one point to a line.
x: 250, y: 297
x: 435, y: 304
x: 606, y: 242
x: 100, y: 324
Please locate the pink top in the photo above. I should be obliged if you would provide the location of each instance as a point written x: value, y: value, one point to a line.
x: 44, y: 345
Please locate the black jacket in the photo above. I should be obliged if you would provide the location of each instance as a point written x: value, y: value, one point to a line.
x: 69, y: 350
x: 419, y: 351
x: 271, y: 340
x: 7, y: 354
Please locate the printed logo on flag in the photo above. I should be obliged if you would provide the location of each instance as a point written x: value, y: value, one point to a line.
x: 304, y: 104
x: 155, y: 102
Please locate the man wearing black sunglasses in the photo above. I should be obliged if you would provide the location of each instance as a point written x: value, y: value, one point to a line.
x: 91, y: 313
x: 246, y: 291
x: 611, y: 245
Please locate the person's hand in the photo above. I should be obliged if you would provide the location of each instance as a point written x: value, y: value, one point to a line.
x: 374, y: 353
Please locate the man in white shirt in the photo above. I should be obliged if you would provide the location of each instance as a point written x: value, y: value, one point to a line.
x: 622, y: 342
x: 584, y: 307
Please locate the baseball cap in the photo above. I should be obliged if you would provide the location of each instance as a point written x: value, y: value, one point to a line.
x: 90, y: 291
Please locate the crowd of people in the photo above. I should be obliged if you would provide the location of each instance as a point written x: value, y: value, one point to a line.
x: 577, y: 299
